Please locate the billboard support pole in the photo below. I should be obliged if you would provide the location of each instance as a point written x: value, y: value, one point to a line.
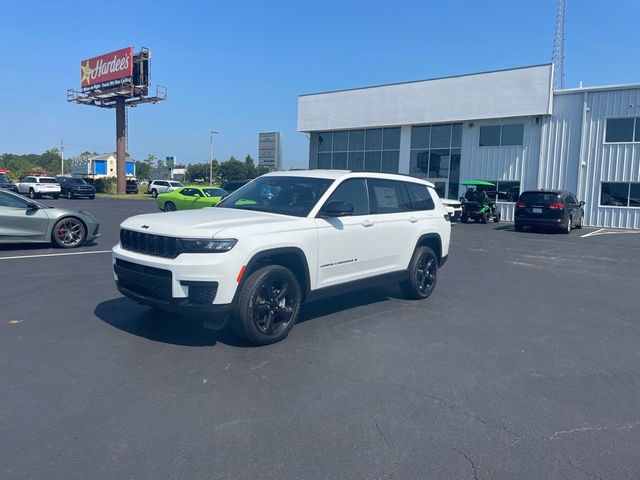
x: 121, y: 142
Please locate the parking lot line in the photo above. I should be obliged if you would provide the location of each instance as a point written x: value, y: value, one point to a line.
x: 604, y: 231
x: 55, y: 255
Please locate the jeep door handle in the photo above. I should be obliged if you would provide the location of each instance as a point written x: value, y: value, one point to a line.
x: 413, y: 219
x: 367, y: 223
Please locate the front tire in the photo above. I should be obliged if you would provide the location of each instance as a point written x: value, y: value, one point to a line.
x: 268, y: 306
x: 69, y: 232
x: 423, y: 274
x: 169, y: 207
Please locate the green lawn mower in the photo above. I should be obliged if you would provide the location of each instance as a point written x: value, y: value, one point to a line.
x: 476, y: 204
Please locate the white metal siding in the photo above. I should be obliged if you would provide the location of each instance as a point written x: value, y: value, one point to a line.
x: 609, y: 162
x: 560, y: 144
x: 516, y: 163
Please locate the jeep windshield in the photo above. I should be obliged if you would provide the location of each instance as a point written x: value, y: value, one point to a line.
x: 293, y: 196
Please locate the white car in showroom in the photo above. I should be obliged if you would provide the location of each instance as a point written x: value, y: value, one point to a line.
x: 283, y: 239
x: 454, y: 207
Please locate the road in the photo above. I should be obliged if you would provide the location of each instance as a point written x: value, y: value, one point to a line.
x: 522, y: 364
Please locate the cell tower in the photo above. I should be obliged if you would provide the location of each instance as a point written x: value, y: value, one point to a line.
x: 558, y: 48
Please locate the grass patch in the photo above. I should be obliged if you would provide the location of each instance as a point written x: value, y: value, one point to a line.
x: 131, y: 196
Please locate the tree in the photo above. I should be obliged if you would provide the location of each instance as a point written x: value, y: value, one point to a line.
x: 233, y: 169
x: 250, y: 167
x: 200, y: 171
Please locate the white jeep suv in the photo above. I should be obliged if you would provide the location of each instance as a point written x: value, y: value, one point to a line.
x: 37, y: 187
x: 281, y: 240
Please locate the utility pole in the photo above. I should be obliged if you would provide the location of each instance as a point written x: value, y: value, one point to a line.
x: 211, y: 157
x: 61, y: 157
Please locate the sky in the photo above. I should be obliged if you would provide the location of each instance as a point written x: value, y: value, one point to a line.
x: 239, y: 66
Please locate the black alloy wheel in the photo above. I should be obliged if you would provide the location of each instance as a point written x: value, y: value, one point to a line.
x: 274, y: 306
x: 69, y: 194
x: 423, y: 274
x: 268, y: 305
x: 169, y: 207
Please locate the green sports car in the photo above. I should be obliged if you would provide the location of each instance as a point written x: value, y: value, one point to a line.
x: 189, y: 198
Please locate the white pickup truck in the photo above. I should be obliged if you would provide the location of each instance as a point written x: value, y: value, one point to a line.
x: 37, y: 187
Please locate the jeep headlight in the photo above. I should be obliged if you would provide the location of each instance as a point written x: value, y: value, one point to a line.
x: 203, y: 245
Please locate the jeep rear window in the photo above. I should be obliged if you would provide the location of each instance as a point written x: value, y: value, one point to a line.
x: 48, y: 180
x: 294, y: 196
x: 540, y: 197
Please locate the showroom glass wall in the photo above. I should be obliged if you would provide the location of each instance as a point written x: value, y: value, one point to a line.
x: 370, y: 150
x: 435, y: 156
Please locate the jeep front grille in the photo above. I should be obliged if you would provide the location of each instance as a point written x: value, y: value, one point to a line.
x: 149, y: 244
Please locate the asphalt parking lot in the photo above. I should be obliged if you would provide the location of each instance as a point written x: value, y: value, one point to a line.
x: 523, y: 364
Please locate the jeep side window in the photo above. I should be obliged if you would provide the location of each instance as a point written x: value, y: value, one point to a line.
x: 419, y: 197
x: 353, y: 191
x: 388, y: 196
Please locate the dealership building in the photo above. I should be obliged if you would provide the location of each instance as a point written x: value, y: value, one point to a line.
x: 509, y: 127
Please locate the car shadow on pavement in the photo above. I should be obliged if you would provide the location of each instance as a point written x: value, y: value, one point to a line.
x: 543, y: 230
x: 188, y: 330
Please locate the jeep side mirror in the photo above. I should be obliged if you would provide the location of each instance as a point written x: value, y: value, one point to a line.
x: 338, y: 209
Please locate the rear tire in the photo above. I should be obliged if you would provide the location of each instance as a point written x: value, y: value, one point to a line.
x: 566, y: 228
x: 32, y: 194
x: 423, y: 274
x: 69, y: 195
x: 496, y: 219
x: 154, y: 193
x: 268, y: 305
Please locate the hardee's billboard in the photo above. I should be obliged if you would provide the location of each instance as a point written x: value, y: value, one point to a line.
x: 107, y: 67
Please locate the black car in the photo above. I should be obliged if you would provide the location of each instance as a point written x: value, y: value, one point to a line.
x: 548, y: 208
x: 73, y: 187
x: 5, y: 184
x: 233, y: 185
x: 132, y: 186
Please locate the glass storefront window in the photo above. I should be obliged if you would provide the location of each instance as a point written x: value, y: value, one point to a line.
x: 356, y: 161
x: 340, y: 141
x: 356, y: 140
x: 372, y: 161
x: 420, y: 136
x: 391, y: 139
x: 325, y: 141
x: 390, y: 161
x: 439, y: 163
x: 373, y: 139
x: 345, y: 150
x: 440, y: 136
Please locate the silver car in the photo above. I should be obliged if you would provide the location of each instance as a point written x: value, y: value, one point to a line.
x: 24, y: 220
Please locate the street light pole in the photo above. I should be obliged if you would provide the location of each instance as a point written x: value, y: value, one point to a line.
x: 61, y: 157
x: 211, y: 157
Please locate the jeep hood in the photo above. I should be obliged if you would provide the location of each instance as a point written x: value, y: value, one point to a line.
x: 202, y: 223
